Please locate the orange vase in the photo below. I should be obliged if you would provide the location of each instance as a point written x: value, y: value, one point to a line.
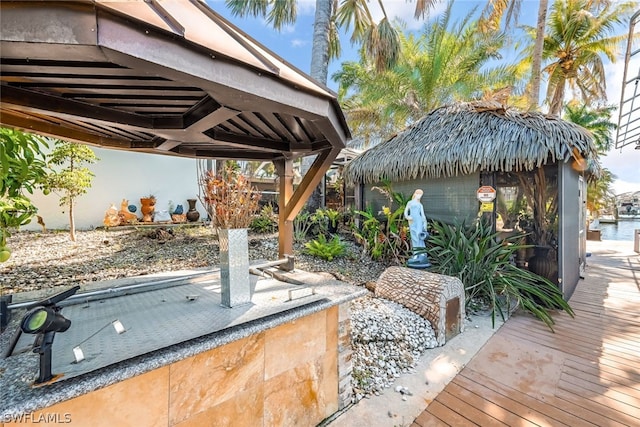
x: 147, y: 207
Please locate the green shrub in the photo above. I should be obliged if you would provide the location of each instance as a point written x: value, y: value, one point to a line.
x: 324, y: 249
x: 485, y: 267
x: 266, y: 221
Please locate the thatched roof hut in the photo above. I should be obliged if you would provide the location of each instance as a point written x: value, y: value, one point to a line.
x: 464, y: 138
x: 526, y: 157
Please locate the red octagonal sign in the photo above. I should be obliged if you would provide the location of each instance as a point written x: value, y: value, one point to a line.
x: 486, y: 194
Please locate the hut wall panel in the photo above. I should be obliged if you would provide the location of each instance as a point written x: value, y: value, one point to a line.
x: 447, y: 200
x: 571, y: 225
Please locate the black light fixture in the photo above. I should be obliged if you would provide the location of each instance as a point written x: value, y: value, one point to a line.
x: 44, y: 319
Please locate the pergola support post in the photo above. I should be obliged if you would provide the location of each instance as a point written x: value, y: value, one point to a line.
x: 291, y: 202
x: 284, y: 168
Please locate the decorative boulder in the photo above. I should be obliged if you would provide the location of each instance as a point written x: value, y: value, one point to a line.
x: 438, y: 298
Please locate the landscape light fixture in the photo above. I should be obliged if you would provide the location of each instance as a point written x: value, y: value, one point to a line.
x: 44, y: 320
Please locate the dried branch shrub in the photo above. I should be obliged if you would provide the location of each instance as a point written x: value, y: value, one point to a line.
x: 231, y: 200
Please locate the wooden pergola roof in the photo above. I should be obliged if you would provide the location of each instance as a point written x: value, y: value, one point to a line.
x: 167, y: 77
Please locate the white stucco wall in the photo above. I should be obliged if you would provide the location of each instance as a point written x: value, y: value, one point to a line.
x: 127, y: 175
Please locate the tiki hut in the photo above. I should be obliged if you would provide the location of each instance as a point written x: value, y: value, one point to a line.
x: 536, y: 163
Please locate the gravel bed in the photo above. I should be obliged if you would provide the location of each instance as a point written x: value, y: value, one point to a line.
x: 41, y: 261
x: 387, y: 339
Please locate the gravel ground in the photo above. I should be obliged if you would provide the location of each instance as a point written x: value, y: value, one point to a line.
x: 48, y: 260
x: 387, y: 338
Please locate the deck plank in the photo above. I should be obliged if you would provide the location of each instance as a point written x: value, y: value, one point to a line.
x: 586, y: 373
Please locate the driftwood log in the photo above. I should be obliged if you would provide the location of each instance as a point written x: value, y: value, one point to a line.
x: 426, y: 294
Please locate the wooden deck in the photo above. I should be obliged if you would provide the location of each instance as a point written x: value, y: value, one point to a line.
x: 586, y: 373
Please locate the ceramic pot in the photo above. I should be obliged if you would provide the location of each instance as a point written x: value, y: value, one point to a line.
x: 192, y: 214
x: 540, y: 263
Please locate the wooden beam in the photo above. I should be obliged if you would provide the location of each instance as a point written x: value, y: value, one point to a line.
x: 309, y: 182
x: 207, y: 153
x: 259, y: 144
x: 60, y: 131
x: 168, y: 145
x: 284, y: 167
x: 57, y: 106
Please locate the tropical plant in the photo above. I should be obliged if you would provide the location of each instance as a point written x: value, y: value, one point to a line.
x: 334, y: 217
x: 385, y: 235
x: 324, y: 249
x: 23, y: 168
x: 448, y: 62
x: 266, y: 221
x: 230, y: 198
x: 320, y: 222
x: 325, y: 219
x: 600, y: 195
x: 485, y: 266
x: 73, y: 179
x: 302, y: 225
x: 578, y: 36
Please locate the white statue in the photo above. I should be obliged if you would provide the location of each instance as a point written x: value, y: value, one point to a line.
x: 414, y: 213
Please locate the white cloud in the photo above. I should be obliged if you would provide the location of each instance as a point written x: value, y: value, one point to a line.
x: 299, y: 43
x: 624, y: 163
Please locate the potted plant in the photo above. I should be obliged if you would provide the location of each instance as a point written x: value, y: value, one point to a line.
x: 232, y: 202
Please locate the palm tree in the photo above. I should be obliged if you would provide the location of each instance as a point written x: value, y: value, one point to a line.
x: 598, y: 121
x: 380, y: 39
x: 494, y: 13
x: 577, y: 38
x: 600, y: 194
x: 445, y: 64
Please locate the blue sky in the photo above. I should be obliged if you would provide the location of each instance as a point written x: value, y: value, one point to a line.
x: 293, y: 44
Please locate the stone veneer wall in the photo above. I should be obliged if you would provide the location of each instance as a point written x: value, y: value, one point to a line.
x: 345, y: 353
x: 284, y: 376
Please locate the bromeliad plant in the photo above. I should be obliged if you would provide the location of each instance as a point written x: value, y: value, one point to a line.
x: 485, y: 266
x: 230, y: 198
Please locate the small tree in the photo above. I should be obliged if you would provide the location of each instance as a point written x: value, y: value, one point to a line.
x: 73, y: 179
x: 22, y: 168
